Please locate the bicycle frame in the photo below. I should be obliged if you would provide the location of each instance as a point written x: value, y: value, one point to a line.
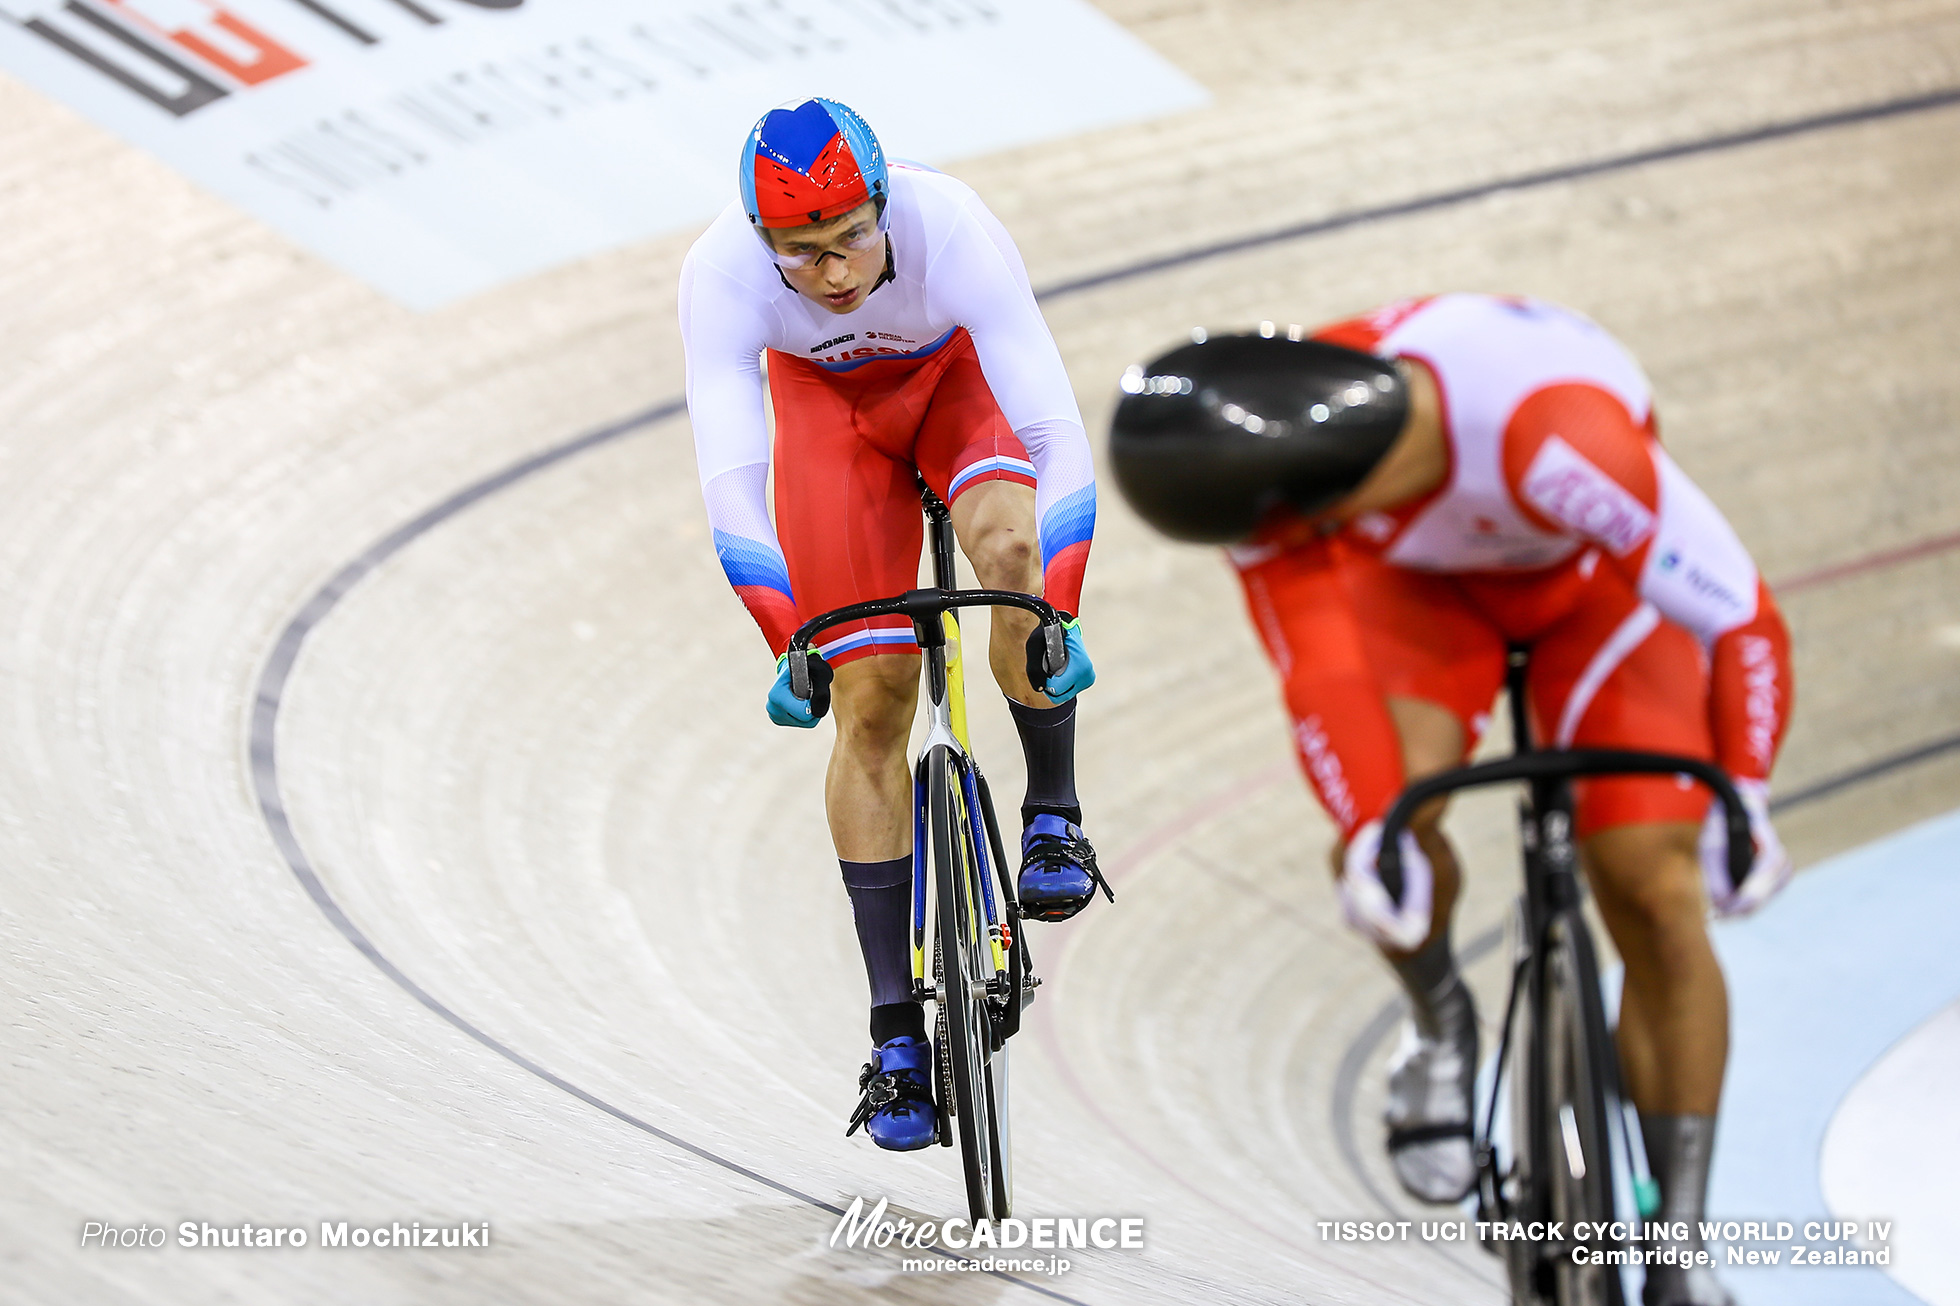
x: 1551, y: 895
x: 935, y: 625
x: 968, y: 957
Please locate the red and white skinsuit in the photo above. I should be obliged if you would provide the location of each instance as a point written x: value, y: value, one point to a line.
x: 1561, y: 523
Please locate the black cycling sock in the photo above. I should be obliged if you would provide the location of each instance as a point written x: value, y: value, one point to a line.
x: 1679, y: 1148
x: 1048, y: 744
x: 881, y: 906
x: 890, y: 1020
x: 1427, y: 976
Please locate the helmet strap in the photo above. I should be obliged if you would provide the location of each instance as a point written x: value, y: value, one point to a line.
x: 887, y: 274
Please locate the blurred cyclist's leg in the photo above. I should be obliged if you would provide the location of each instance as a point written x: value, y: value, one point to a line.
x: 1432, y: 1073
x: 1674, y: 1026
x: 1439, y: 663
x: 1674, y: 1018
x: 1637, y: 836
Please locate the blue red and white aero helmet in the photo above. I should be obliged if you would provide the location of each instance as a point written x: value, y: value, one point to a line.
x: 809, y: 161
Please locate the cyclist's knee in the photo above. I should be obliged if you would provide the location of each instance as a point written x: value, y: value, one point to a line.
x: 1004, y: 558
x: 1648, y: 877
x: 875, y: 699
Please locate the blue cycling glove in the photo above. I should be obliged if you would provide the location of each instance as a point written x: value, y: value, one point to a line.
x: 786, y: 709
x: 1078, y: 675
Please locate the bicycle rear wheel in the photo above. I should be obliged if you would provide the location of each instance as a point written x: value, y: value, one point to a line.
x: 1574, y: 1140
x: 966, y: 967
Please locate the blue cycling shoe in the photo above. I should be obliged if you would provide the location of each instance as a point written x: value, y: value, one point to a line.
x: 897, y: 1109
x: 1058, y: 869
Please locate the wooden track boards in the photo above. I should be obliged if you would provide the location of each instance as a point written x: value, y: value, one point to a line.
x: 527, y: 754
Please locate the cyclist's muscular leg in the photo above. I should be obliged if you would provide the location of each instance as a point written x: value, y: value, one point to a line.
x: 1673, y: 1029
x: 1674, y: 1018
x: 868, y: 789
x: 995, y: 525
x: 996, y: 528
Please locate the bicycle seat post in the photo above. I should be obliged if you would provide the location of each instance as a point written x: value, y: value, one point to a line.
x: 1517, y: 667
x: 939, y: 531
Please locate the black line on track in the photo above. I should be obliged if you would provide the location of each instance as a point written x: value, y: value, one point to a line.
x: 265, y: 782
x: 1523, y: 181
x: 1859, y: 774
x: 279, y: 666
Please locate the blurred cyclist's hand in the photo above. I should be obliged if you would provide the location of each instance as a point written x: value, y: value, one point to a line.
x: 1078, y: 675
x: 1365, y: 900
x: 786, y: 709
x: 1767, y: 874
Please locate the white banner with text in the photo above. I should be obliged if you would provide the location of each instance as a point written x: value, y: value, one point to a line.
x: 436, y: 148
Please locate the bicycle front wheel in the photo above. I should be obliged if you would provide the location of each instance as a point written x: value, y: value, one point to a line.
x: 1574, y: 1140
x: 966, y: 966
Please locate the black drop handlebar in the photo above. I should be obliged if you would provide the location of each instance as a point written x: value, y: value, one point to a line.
x: 924, y: 608
x: 1559, y: 764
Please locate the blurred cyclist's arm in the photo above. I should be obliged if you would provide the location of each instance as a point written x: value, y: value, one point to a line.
x: 976, y: 277
x: 1606, y: 480
x: 1342, y: 732
x: 1700, y: 576
x: 1589, y: 470
x: 722, y: 334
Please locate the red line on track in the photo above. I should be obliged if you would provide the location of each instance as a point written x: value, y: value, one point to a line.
x: 1873, y: 562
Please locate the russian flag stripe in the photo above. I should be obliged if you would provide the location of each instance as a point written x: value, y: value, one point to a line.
x: 998, y: 463
x: 860, y: 638
x: 751, y: 562
x: 1070, y: 521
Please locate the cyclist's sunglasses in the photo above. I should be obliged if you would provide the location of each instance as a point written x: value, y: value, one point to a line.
x: 854, y: 239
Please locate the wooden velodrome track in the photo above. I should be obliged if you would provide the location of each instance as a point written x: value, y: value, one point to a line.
x: 512, y: 742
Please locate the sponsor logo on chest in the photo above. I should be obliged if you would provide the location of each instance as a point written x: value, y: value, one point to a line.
x: 1564, y: 486
x: 877, y: 344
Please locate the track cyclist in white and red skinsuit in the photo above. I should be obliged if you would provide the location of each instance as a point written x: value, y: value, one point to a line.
x: 902, y: 340
x: 1410, y: 491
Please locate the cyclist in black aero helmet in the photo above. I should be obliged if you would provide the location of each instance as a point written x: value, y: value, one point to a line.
x: 1488, y: 473
x: 1238, y: 426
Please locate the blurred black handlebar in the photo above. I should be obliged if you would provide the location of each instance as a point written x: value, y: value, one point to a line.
x: 1559, y: 764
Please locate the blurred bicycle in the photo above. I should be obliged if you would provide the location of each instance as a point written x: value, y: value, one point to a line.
x: 1556, y: 1060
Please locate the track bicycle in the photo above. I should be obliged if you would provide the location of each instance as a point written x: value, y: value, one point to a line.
x: 969, y: 954
x: 1567, y: 1106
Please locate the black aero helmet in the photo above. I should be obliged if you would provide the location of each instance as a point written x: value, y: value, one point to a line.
x: 1212, y: 436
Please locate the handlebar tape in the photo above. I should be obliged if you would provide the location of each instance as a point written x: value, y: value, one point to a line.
x: 1047, y: 654
x: 809, y: 680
